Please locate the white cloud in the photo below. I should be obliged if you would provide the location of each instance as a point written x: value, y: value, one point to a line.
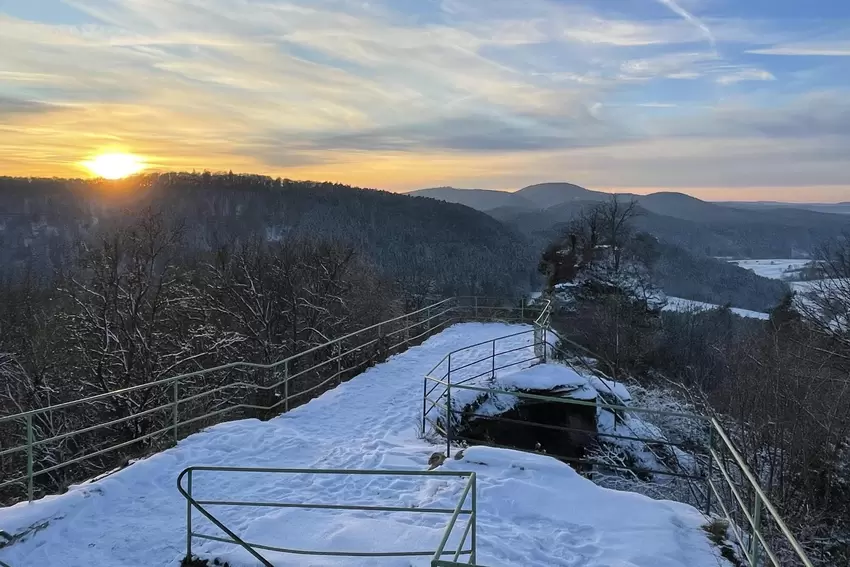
x: 745, y: 75
x: 836, y: 49
x: 341, y: 88
x: 684, y: 65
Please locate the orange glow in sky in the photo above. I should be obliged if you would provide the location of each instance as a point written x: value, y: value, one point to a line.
x: 115, y: 165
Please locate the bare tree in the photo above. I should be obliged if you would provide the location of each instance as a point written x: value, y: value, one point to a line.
x: 826, y: 303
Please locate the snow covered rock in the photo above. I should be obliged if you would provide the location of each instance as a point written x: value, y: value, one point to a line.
x: 543, y: 513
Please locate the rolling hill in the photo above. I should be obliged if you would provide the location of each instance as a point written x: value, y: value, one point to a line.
x: 701, y: 227
x: 480, y: 199
x: 442, y: 246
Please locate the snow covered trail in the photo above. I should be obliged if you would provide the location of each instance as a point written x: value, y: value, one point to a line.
x: 533, y: 510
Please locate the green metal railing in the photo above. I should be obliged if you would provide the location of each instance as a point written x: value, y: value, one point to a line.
x: 720, y: 477
x: 112, y: 426
x: 468, y: 494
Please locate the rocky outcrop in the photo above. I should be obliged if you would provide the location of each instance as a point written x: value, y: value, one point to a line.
x: 561, y: 430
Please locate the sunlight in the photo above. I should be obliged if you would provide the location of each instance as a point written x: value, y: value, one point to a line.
x: 115, y: 166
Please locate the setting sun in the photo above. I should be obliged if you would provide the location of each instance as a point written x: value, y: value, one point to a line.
x: 115, y: 166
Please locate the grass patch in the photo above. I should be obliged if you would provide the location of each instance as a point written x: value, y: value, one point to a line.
x: 717, y: 530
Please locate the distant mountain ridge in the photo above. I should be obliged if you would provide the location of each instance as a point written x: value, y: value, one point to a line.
x: 479, y: 199
x: 675, y: 204
x: 751, y: 230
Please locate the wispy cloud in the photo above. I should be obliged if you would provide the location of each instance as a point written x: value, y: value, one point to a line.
x: 396, y: 93
x: 745, y: 75
x: 676, y: 8
x: 814, y: 49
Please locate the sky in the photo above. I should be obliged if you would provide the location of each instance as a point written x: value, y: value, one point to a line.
x: 722, y: 99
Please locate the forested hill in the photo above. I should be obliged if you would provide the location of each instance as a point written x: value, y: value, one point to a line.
x: 426, y: 246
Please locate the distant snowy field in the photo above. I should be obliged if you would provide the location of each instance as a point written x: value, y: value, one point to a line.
x: 688, y: 305
x: 533, y: 510
x: 775, y: 269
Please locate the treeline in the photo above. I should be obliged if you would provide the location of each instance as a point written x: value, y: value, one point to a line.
x: 679, y: 271
x: 107, y: 285
x: 780, y: 387
x: 134, y: 305
x: 682, y: 274
x: 425, y: 247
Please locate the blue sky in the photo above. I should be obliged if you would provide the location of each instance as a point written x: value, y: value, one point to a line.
x: 720, y: 98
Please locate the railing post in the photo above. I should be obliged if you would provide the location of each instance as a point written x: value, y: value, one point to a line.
x: 189, y: 515
x: 755, y: 544
x: 543, y: 348
x: 428, y: 322
x: 424, y: 402
x: 29, y: 458
x: 475, y: 300
x: 474, y: 518
x: 286, y: 386
x: 174, y: 412
x: 522, y: 309
x: 493, y: 371
x: 449, y: 409
x: 406, y: 330
x: 339, y: 363
x: 710, y: 471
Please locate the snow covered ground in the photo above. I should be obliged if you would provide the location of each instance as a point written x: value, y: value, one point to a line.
x: 775, y: 269
x: 533, y: 510
x: 686, y: 305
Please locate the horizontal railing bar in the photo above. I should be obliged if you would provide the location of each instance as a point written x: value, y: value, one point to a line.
x: 320, y: 553
x: 127, y: 443
x: 204, y: 371
x: 313, y: 388
x: 13, y: 481
x: 436, y: 403
x: 456, y: 369
x: 490, y: 357
x: 363, y: 507
x: 205, y: 393
x: 211, y: 414
x: 324, y: 363
x: 575, y: 429
x: 579, y: 402
x: 12, y: 450
x: 512, y: 335
x: 490, y: 371
x: 358, y: 472
x: 435, y: 425
x: 101, y: 452
x: 170, y: 405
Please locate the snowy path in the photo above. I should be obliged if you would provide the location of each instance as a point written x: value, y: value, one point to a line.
x: 533, y: 510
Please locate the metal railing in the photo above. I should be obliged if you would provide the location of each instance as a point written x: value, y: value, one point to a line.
x: 468, y: 494
x: 73, y: 441
x: 718, y: 479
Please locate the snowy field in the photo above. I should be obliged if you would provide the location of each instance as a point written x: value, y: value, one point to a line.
x: 689, y: 305
x: 775, y: 269
x: 533, y: 510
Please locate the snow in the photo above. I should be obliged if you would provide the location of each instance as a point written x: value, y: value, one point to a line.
x: 550, y: 377
x: 681, y: 305
x: 775, y: 269
x: 555, y: 378
x: 533, y: 510
x: 605, y: 386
